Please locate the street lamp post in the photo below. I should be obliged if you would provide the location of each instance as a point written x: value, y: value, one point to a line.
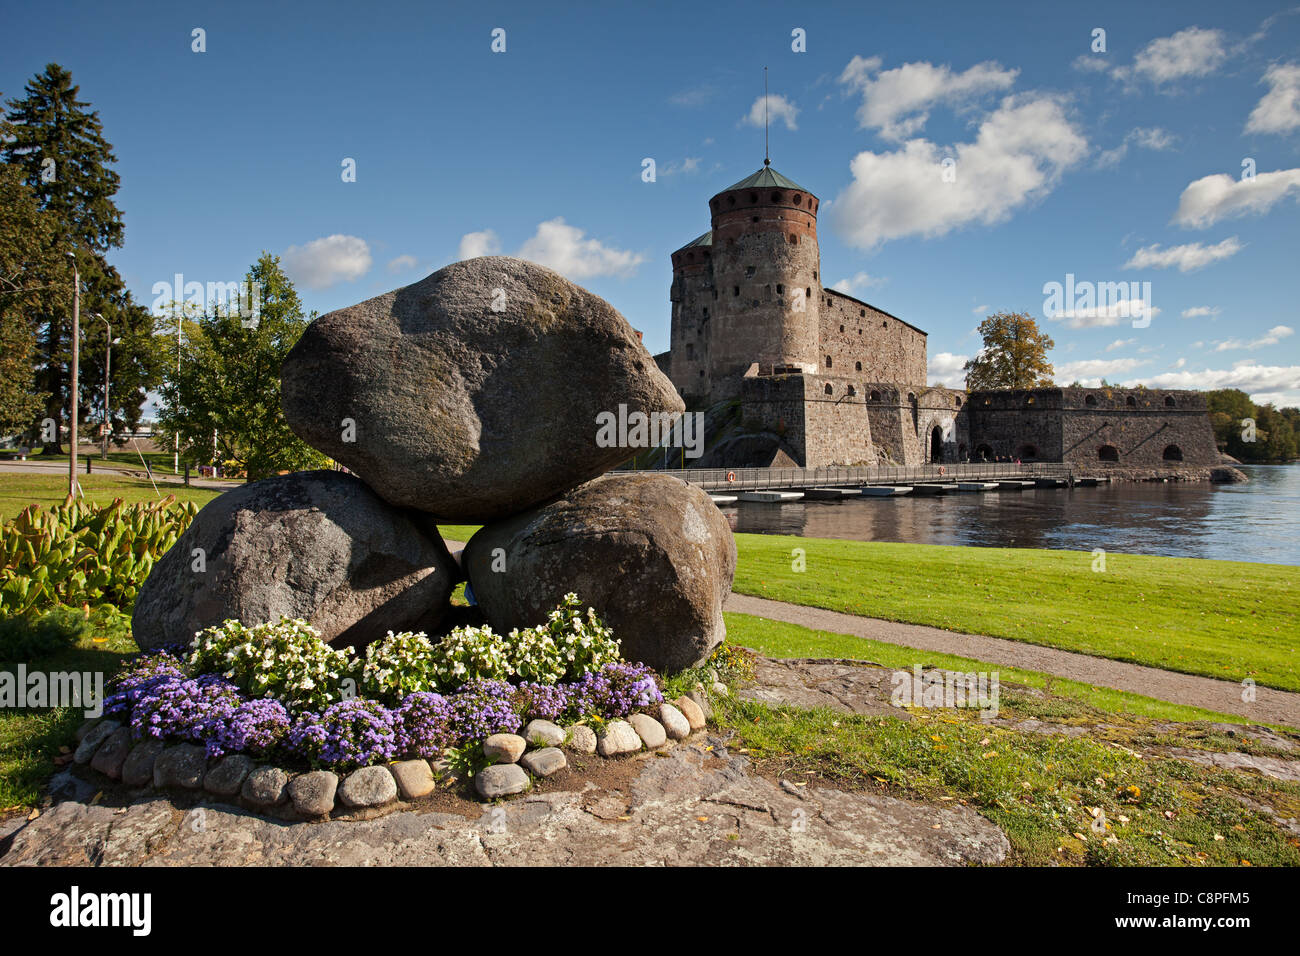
x: 76, y: 356
x: 108, y: 364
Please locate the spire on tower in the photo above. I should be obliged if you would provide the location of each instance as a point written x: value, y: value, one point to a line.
x: 767, y: 156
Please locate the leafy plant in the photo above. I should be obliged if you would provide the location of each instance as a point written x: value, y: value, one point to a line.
x: 286, y: 660
x: 79, y: 553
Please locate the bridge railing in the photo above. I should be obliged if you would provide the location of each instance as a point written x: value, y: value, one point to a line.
x: 760, y: 479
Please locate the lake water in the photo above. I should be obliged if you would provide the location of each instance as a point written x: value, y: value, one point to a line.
x: 1256, y: 521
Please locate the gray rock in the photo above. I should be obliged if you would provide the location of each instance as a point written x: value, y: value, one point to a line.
x: 650, y: 731
x: 137, y: 769
x: 266, y: 787
x: 313, y: 793
x: 181, y: 766
x: 475, y: 392
x: 691, y: 710
x: 317, y: 545
x: 617, y: 737
x: 504, y: 748
x: 86, y: 727
x: 652, y: 554
x: 226, y: 776
x: 112, y: 753
x: 702, y: 701
x: 94, y: 737
x: 414, y: 778
x: 544, y: 762
x: 500, y: 780
x: 368, y: 787
x: 720, y: 688
x: 582, y: 739
x: 676, y: 726
x: 543, y: 733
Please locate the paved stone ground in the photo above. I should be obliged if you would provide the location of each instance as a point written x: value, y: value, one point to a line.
x: 1270, y: 706
x: 692, y: 806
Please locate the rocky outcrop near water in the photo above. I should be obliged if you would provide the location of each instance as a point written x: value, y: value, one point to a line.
x: 652, y: 554
x: 474, y: 393
x: 317, y: 545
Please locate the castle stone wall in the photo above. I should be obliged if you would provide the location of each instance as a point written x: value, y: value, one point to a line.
x: 856, y: 338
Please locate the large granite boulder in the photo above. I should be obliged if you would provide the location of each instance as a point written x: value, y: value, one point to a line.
x: 474, y: 393
x: 317, y: 545
x: 652, y: 554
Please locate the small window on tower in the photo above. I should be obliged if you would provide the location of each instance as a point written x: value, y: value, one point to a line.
x: 753, y: 197
x: 749, y: 272
x: 857, y: 366
x: 862, y: 313
x: 780, y: 289
x: 828, y: 361
x: 797, y: 199
x: 829, y: 390
x: 735, y: 290
x: 753, y: 219
x: 841, y: 328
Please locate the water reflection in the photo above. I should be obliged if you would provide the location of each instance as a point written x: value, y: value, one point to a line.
x: 1258, y: 521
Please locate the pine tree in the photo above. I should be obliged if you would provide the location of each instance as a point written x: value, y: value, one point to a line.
x: 57, y: 144
x: 1014, y: 354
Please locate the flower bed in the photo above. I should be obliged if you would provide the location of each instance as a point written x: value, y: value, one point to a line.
x: 274, y: 691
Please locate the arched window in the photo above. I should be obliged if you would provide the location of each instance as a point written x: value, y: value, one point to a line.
x: 983, y: 453
x: 1029, y: 400
x: 1108, y: 453
x: 828, y: 361
x: 797, y: 199
x: 852, y: 391
x: 1173, y: 453
x: 753, y: 197
x: 829, y: 390
x: 780, y: 289
x: 857, y: 366
x: 731, y: 200
x: 841, y: 328
x: 911, y: 397
x: 1170, y: 403
x: 1090, y: 400
x: 1131, y: 402
x: 958, y: 401
x: 735, y: 290
x: 794, y: 240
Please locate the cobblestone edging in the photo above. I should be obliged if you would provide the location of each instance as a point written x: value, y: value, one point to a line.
x: 536, y: 752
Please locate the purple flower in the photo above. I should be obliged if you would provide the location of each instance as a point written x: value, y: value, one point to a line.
x: 255, y: 727
x: 139, y: 679
x: 424, y: 725
x: 351, y: 733
x: 482, y: 708
x: 188, y: 709
x: 541, y: 701
x: 613, y: 691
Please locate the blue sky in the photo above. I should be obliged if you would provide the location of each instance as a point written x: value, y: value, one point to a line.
x: 1122, y: 166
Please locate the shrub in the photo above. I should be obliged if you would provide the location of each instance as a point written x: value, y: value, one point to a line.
x: 191, y: 709
x: 352, y: 733
x: 27, y: 637
x: 139, y: 679
x: 398, y: 665
x: 567, y: 645
x: 483, y: 708
x: 286, y: 660
x: 613, y: 691
x: 255, y: 727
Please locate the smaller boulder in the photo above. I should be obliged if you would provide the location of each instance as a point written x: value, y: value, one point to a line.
x: 414, y: 778
x: 368, y: 787
x: 112, y: 753
x: 650, y: 731
x: 582, y: 739
x: 543, y: 763
x: 692, y: 712
x: 313, y: 793
x: 228, y: 774
x: 676, y: 726
x: 137, y: 770
x: 504, y: 748
x: 543, y: 733
x: 94, y: 737
x: 500, y: 780
x: 181, y: 766
x: 266, y: 787
x: 617, y: 737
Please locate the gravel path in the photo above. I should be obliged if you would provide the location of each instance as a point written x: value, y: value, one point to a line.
x: 1270, y: 706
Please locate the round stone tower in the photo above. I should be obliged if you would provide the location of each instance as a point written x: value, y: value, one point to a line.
x: 765, y: 279
x: 693, y: 307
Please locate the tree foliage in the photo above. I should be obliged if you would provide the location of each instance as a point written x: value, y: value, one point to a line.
x: 1251, y: 432
x: 55, y: 144
x: 228, y: 383
x: 1014, y: 354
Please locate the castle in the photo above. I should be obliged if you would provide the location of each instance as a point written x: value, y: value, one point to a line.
x: 822, y: 378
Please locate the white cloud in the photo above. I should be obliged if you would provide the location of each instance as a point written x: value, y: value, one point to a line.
x: 1207, y: 200
x: 1104, y: 316
x: 1273, y: 336
x: 980, y: 310
x: 1279, y: 110
x: 1188, y: 53
x: 860, y: 282
x: 1187, y: 258
x: 691, y: 164
x: 1091, y: 371
x: 1018, y: 155
x: 1091, y: 63
x: 778, y: 108
x: 1119, y: 344
x: 1148, y: 137
x: 322, y: 262
x: 402, y: 263
x: 562, y: 247
x: 897, y: 102
x: 1200, y: 311
x: 1281, y: 383
x: 475, y: 244
x: 947, y: 369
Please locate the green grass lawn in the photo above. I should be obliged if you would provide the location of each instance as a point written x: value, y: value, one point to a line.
x: 17, y: 491
x: 1222, y: 619
x: 781, y: 640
